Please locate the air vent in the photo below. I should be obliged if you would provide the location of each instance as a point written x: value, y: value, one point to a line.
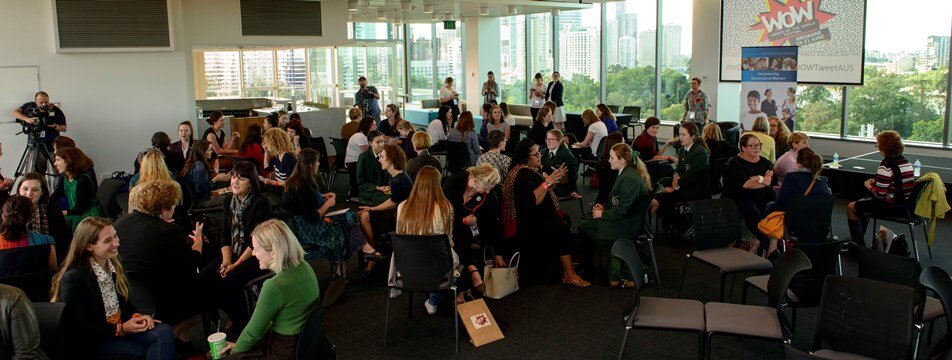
x: 112, y: 25
x: 281, y: 18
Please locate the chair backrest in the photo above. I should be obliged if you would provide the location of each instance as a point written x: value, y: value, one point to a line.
x: 624, y: 250
x: 716, y: 223
x: 876, y: 265
x: 340, y: 150
x: 808, y: 285
x: 188, y: 195
x: 313, y: 342
x: 791, y: 263
x: 107, y: 193
x: 866, y: 317
x: 50, y: 319
x: 430, y: 103
x: 140, y: 292
x: 333, y: 292
x: 613, y: 108
x: 808, y: 218
x: 937, y: 280
x: 634, y: 111
x: 36, y: 285
x: 424, y: 261
x: 913, y: 199
x: 318, y: 144
x: 792, y: 353
x: 457, y: 156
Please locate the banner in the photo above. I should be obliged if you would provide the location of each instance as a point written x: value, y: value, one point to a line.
x: 768, y: 84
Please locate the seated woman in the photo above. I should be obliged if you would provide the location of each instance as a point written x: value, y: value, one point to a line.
x: 427, y: 212
x: 406, y: 130
x: 807, y: 171
x: 646, y: 144
x: 371, y: 179
x: 541, y: 230
x: 497, y: 122
x: 251, y: 148
x: 476, y: 222
x: 747, y: 180
x: 464, y: 133
x: 161, y: 143
x: 421, y: 143
x: 541, y: 125
x: 389, y: 127
x: 224, y: 278
x: 506, y: 114
x: 788, y: 161
x: 201, y: 175
x: 596, y: 131
x: 185, y: 139
x: 439, y: 127
x: 299, y: 135
x: 719, y: 148
x: 93, y: 285
x: 691, y: 179
x: 278, y: 156
x: 76, y: 185
x: 322, y: 237
x: 760, y: 130
x: 780, y: 133
x: 350, y: 127
x: 17, y: 212
x: 216, y: 136
x: 357, y: 145
x: 606, y: 176
x: 495, y: 157
x: 152, y: 167
x: 163, y: 255
x: 890, y: 190
x: 605, y: 114
x: 382, y: 218
x: 46, y: 216
x: 556, y: 154
x: 286, y: 300
x: 623, y: 216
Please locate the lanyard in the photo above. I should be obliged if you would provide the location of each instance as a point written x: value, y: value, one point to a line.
x: 481, y: 198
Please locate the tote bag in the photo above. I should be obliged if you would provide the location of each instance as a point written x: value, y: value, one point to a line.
x: 500, y: 282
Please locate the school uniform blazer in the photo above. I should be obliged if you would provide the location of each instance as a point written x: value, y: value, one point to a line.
x: 625, y: 209
x: 694, y: 182
x: 369, y: 176
x: 562, y: 156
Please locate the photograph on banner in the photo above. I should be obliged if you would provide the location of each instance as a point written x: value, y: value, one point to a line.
x: 768, y: 84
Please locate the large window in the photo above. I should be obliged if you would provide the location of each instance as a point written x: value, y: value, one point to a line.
x: 819, y: 108
x: 449, y: 57
x: 258, y: 68
x: 222, y: 74
x: 291, y: 74
x: 422, y: 72
x: 675, y: 56
x: 630, y: 54
x: 321, y: 76
x: 579, y: 54
x: 512, y: 51
x: 540, y: 45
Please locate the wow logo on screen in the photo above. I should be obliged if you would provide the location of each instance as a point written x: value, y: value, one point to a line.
x: 798, y: 22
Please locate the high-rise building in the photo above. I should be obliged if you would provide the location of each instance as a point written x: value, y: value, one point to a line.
x: 628, y: 51
x: 646, y: 48
x: 937, y: 51
x: 611, y: 43
x: 570, y: 20
x: 577, y: 54
x: 541, y: 44
x: 671, y: 45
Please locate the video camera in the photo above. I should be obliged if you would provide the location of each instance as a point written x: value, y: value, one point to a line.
x: 45, y: 116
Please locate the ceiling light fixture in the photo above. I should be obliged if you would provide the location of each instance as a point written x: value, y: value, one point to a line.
x: 427, y: 9
x: 483, y: 11
x: 555, y: 12
x: 381, y: 14
x: 405, y: 5
x: 352, y: 5
x: 511, y: 10
x: 435, y: 17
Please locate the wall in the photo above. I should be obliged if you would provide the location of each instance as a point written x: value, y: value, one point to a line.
x: 482, y: 56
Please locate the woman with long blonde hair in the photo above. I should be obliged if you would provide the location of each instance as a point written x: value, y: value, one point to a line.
x: 91, y: 281
x: 278, y: 155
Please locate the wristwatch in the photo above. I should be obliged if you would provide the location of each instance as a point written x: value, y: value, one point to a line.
x: 760, y: 179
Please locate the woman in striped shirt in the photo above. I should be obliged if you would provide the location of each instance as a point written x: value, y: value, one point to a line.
x: 890, y: 189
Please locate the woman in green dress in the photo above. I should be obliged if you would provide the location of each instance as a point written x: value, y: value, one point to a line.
x: 623, y: 215
x: 76, y: 185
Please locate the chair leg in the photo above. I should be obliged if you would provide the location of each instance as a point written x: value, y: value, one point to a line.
x: 654, y: 262
x: 386, y: 322
x: 410, y: 305
x: 793, y: 318
x: 743, y: 295
x: 915, y: 345
x: 931, y: 330
x: 912, y: 236
x: 581, y: 207
x: 872, y: 234
x: 456, y: 319
x: 733, y: 280
x: 706, y: 354
x: 723, y: 281
x: 925, y: 233
x: 684, y: 272
x: 624, y: 343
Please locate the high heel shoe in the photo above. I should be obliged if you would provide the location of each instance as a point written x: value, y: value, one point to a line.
x: 481, y: 288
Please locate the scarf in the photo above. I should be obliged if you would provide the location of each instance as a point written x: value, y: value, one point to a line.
x: 40, y: 224
x: 110, y: 299
x: 509, y: 202
x: 238, y: 242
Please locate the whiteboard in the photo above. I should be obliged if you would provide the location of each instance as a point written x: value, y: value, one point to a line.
x: 18, y: 84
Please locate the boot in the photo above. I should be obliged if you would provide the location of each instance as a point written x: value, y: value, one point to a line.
x: 857, y: 232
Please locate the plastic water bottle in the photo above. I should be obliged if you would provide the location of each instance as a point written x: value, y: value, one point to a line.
x: 916, y: 168
x: 836, y: 158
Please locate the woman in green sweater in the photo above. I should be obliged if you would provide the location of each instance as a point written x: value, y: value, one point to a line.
x: 285, y: 301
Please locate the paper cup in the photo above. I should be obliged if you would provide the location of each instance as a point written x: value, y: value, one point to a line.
x: 216, y: 343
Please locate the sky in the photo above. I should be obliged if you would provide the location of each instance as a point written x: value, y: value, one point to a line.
x: 905, y: 26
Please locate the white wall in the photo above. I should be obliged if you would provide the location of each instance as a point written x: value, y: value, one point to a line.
x: 482, y: 56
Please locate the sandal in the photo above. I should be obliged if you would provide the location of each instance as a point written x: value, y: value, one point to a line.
x: 373, y: 256
x: 580, y: 283
x: 621, y: 284
x: 481, y: 288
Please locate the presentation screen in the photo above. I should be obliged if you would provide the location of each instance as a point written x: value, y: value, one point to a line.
x: 830, y: 36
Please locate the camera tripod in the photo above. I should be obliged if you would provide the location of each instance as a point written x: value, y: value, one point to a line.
x: 35, y: 158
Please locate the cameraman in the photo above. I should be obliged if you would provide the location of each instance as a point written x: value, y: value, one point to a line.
x: 42, y: 109
x: 366, y: 98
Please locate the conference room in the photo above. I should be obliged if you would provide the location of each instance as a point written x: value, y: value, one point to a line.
x: 598, y: 179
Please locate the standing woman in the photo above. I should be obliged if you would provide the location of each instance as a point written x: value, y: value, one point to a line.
x: 465, y: 133
x: 536, y: 95
x: 93, y: 285
x: 696, y: 104
x: 623, y: 216
x: 490, y: 89
x: 278, y: 156
x: 389, y: 127
x: 286, y: 300
x: 186, y: 137
x: 475, y: 206
x: 216, y: 136
x: 449, y: 97
x: 242, y: 210
x: 596, y: 131
x: 76, y: 185
x: 553, y: 93
x: 531, y: 216
x: 605, y: 114
x: 325, y: 237
x: 542, y: 125
x: 47, y: 219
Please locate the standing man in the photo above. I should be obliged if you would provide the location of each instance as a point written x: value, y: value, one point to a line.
x: 366, y: 98
x: 553, y: 93
x: 49, y: 117
x: 696, y: 105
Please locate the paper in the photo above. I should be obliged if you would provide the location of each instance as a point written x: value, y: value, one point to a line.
x: 338, y: 212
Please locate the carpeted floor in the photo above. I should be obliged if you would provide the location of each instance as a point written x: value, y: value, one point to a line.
x: 553, y: 321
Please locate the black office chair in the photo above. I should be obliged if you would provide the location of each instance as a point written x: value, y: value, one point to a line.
x: 937, y: 280
x: 49, y: 315
x: 107, y: 194
x: 28, y: 269
x: 140, y: 292
x: 340, y: 148
x: 910, y: 218
x: 332, y: 292
x: 425, y: 265
x: 313, y: 342
x: 324, y: 173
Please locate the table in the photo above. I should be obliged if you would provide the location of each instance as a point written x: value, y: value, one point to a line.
x: 420, y: 117
x: 848, y: 179
x: 575, y: 125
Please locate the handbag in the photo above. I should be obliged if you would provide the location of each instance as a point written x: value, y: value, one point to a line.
x: 500, y: 282
x: 772, y: 224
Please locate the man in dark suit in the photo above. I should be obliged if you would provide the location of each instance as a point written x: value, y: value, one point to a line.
x: 554, y: 155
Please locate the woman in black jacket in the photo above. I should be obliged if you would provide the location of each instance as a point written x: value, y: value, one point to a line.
x: 476, y: 221
x: 99, y: 317
x: 48, y: 218
x: 225, y: 278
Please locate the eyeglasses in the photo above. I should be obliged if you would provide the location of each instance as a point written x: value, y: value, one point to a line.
x: 551, y: 139
x: 754, y: 145
x: 537, y: 154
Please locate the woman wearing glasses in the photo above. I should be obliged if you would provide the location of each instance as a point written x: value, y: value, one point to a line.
x: 748, y: 180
